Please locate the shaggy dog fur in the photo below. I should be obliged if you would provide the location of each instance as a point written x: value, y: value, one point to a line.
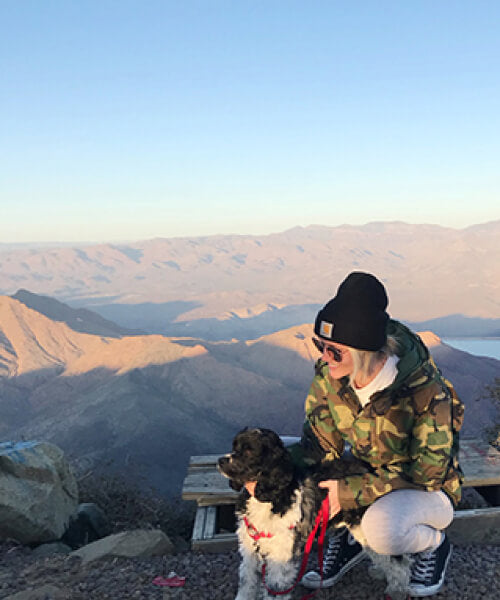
x: 282, y: 513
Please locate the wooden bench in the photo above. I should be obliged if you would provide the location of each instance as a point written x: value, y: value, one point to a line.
x: 214, y: 525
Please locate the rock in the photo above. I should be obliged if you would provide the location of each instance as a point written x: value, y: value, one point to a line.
x: 38, y: 492
x: 50, y: 549
x: 87, y: 525
x: 45, y: 592
x: 140, y: 542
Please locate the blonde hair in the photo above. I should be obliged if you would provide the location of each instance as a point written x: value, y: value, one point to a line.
x: 365, y: 362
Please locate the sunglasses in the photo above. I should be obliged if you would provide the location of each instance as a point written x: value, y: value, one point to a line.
x: 335, y: 353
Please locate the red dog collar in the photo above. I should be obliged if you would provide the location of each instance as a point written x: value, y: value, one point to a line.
x: 255, y: 534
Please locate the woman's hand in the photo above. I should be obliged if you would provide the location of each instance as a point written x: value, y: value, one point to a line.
x: 332, y: 486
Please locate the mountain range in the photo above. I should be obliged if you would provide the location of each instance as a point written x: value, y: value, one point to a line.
x: 220, y: 287
x: 144, y: 403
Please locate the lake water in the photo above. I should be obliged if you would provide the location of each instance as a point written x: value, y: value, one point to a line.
x: 478, y: 346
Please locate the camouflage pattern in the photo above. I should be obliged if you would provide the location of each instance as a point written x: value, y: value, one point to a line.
x: 408, y: 432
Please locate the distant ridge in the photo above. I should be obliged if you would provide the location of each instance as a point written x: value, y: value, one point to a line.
x: 430, y: 272
x: 460, y: 326
x: 78, y: 319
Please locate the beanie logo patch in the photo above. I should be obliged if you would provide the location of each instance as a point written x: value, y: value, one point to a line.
x: 326, y: 329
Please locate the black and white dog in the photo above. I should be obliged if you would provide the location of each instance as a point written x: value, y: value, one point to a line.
x: 275, y: 522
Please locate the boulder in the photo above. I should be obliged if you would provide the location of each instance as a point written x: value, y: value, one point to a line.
x: 139, y: 542
x: 38, y: 492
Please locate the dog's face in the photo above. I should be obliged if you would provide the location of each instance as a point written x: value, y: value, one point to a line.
x: 258, y: 455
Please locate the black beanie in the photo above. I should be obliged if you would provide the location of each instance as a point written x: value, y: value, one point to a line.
x: 356, y: 316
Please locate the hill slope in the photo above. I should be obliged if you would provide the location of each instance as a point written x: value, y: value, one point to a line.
x: 84, y: 321
x: 146, y: 403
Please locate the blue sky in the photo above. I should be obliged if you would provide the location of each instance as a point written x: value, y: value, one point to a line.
x: 129, y: 120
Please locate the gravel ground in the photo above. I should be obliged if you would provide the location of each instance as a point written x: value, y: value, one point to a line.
x: 473, y: 573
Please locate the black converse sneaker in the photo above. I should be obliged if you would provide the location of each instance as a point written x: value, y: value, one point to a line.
x: 428, y: 570
x: 342, y: 554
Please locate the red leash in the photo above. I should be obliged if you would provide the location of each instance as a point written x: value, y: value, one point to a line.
x: 321, y: 519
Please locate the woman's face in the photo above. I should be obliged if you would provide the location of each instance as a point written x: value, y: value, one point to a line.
x: 338, y: 369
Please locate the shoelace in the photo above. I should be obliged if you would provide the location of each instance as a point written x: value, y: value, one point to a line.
x: 334, y: 544
x: 424, y: 567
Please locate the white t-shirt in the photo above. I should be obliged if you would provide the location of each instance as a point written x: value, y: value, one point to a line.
x: 384, y: 379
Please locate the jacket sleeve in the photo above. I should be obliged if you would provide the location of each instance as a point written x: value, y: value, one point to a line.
x: 356, y: 491
x: 430, y: 453
x: 319, y: 421
x: 431, y: 447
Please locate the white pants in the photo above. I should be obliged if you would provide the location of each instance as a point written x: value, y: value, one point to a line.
x: 407, y: 521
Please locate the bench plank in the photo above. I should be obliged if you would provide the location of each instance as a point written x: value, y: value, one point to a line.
x: 475, y: 526
x: 207, y: 486
x: 210, y: 523
x: 199, y: 523
x: 480, y: 463
x: 203, y: 483
x: 219, y: 543
x: 205, y: 460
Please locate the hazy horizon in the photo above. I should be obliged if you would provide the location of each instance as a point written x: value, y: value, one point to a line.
x: 48, y: 243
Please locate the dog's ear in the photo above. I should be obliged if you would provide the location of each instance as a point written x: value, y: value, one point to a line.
x: 271, y: 484
x: 274, y: 478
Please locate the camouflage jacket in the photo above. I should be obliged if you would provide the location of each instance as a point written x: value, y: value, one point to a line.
x: 407, y: 433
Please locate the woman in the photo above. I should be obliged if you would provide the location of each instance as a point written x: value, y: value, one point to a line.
x: 377, y: 391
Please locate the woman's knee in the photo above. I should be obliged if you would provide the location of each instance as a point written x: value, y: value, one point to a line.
x: 446, y: 512
x: 383, y: 532
x: 404, y: 519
